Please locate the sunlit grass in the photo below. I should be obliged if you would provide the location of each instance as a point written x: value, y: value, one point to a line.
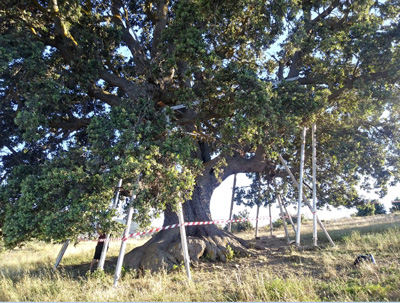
x: 324, y: 274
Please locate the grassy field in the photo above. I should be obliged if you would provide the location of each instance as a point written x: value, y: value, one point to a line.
x: 279, y: 273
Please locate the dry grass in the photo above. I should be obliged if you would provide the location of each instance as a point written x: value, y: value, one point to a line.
x: 280, y: 273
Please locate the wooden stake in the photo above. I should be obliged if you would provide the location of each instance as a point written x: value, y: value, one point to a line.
x: 61, y: 253
x: 185, y: 250
x: 270, y: 219
x: 182, y: 227
x: 284, y: 221
x: 303, y: 142
x: 283, y: 215
x: 305, y: 198
x: 314, y: 178
x: 233, y: 196
x: 121, y: 255
x: 258, y: 212
x: 107, y: 239
x: 288, y: 214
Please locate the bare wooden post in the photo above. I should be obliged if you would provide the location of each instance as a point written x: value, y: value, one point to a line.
x: 303, y: 142
x: 233, y: 196
x: 258, y: 212
x: 314, y: 178
x: 288, y: 214
x: 182, y: 227
x: 283, y: 214
x: 107, y: 239
x: 103, y: 253
x: 305, y: 198
x: 283, y: 219
x: 61, y: 253
x: 121, y: 255
x: 185, y: 250
x: 270, y: 219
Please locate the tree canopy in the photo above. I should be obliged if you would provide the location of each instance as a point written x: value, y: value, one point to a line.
x: 87, y: 88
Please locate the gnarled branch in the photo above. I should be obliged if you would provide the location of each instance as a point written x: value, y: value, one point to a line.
x: 130, y: 88
x: 133, y: 44
x: 98, y: 93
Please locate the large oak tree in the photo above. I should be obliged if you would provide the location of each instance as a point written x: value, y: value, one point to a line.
x: 88, y: 87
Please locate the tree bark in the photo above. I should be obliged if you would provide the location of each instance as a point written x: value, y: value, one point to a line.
x: 163, y: 250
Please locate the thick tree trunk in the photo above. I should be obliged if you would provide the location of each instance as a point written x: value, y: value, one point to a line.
x: 163, y: 250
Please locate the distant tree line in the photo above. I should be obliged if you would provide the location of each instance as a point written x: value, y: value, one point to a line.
x: 395, y: 205
x: 374, y: 207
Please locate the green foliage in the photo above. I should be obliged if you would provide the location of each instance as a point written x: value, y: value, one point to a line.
x: 395, y: 205
x: 260, y: 192
x: 179, y: 267
x: 279, y: 222
x: 229, y: 254
x: 380, y: 209
x: 98, y: 275
x: 366, y: 210
x: 240, y: 226
x: 372, y: 207
x: 123, y: 271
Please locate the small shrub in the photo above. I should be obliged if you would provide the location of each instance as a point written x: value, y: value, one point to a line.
x: 229, y: 253
x: 395, y: 205
x: 123, y: 271
x: 372, y: 207
x: 303, y: 219
x: 240, y: 226
x: 366, y: 210
x: 98, y: 274
x: 380, y: 209
x: 277, y: 223
x: 179, y: 267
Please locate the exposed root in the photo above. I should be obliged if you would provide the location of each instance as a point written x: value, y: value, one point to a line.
x: 164, y: 250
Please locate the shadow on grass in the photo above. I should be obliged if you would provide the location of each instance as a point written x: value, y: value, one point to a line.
x: 75, y: 272
x: 79, y: 271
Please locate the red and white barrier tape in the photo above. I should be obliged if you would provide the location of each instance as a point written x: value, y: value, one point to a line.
x: 177, y: 225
